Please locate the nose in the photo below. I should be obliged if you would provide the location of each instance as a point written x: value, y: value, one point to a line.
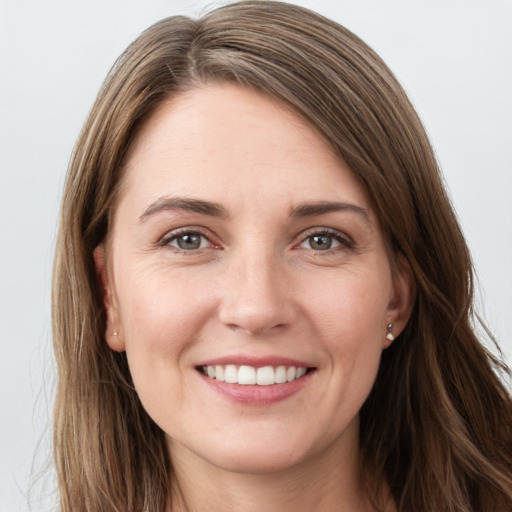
x: 256, y: 295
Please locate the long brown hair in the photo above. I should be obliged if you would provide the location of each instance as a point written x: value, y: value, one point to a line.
x: 437, y: 426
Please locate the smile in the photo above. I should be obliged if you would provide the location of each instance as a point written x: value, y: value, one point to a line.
x: 250, y: 375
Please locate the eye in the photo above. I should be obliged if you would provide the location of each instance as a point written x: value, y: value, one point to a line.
x: 321, y: 242
x: 324, y: 241
x: 187, y: 241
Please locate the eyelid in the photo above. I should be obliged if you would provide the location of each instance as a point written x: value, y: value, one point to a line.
x: 165, y: 240
x: 345, y: 240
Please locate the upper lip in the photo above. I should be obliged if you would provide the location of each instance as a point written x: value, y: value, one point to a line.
x: 256, y: 362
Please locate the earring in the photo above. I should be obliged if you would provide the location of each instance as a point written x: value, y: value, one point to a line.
x: 115, y: 333
x: 389, y: 335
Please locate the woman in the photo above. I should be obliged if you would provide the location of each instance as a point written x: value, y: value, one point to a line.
x: 262, y: 296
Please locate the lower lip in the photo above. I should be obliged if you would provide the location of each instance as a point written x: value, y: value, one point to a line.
x: 257, y: 395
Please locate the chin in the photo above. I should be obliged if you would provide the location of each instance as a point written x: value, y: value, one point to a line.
x: 263, y: 454
x: 258, y: 461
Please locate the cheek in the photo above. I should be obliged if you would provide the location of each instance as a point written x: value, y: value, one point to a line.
x: 350, y: 318
x: 161, y: 313
x: 160, y: 319
x: 351, y: 305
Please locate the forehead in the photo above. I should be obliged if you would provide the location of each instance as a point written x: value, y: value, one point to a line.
x: 224, y: 142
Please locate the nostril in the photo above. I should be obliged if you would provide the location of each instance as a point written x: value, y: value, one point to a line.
x: 255, y: 326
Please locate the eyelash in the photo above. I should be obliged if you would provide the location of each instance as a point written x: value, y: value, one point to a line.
x: 174, y: 235
x: 344, y: 241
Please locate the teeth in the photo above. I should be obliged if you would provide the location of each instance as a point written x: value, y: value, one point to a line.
x: 219, y: 373
x: 280, y: 374
x: 231, y: 374
x: 248, y: 375
x: 265, y: 376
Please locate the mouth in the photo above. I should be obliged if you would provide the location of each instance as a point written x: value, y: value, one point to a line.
x: 254, y: 376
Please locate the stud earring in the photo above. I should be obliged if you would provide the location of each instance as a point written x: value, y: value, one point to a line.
x: 115, y: 333
x: 389, y: 335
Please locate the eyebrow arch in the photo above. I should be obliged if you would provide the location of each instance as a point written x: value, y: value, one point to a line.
x: 322, y: 207
x: 186, y: 204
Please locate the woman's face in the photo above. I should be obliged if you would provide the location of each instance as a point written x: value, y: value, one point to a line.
x: 244, y: 254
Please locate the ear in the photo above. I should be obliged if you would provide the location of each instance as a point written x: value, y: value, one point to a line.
x: 115, y: 341
x: 402, y: 298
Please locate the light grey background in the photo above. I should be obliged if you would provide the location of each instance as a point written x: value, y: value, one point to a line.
x: 453, y: 56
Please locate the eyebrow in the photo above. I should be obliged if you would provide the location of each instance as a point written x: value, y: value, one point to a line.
x: 185, y: 204
x: 216, y: 210
x: 323, y: 207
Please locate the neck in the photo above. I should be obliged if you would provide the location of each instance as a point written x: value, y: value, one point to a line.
x: 322, y: 483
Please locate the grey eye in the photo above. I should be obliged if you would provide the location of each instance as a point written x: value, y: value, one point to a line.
x: 189, y: 241
x: 320, y: 242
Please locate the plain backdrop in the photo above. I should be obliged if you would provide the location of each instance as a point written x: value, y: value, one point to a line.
x: 454, y: 58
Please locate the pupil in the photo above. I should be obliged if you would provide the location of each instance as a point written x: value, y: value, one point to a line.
x: 321, y: 242
x: 189, y: 241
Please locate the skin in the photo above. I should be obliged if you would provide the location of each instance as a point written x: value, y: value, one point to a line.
x: 256, y: 286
